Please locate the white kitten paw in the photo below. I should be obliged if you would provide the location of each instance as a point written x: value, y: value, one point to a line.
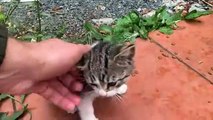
x: 90, y: 118
x: 122, y: 89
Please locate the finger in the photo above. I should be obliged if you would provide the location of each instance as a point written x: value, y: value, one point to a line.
x: 71, y: 83
x: 76, y: 87
x: 84, y: 48
x: 80, y: 50
x: 56, y: 98
x: 66, y: 79
x: 65, y: 92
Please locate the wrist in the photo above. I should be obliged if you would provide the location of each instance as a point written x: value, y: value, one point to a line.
x: 3, y: 42
x: 17, y: 58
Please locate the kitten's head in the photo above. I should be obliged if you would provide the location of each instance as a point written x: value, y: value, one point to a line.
x: 108, y: 66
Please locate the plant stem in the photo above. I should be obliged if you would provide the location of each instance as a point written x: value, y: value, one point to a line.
x: 38, y: 8
x: 12, y: 9
x: 13, y: 104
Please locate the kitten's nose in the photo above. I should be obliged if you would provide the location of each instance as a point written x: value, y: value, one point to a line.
x: 102, y: 93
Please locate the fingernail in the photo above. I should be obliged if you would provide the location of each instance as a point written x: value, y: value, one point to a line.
x: 70, y: 107
x: 73, y: 111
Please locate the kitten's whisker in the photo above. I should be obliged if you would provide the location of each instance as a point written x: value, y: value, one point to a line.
x: 119, y: 98
x: 123, y: 96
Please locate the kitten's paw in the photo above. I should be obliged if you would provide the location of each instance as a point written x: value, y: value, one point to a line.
x: 122, y: 89
x: 90, y: 118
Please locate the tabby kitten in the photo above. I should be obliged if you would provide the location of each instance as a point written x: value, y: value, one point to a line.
x: 106, y: 69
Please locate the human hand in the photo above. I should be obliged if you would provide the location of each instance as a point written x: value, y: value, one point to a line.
x: 46, y: 68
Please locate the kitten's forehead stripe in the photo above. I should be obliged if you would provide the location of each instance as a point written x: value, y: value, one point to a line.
x: 98, y: 59
x: 105, y: 61
x: 103, y: 68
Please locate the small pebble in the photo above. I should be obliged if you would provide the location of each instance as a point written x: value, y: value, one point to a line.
x: 136, y: 72
x: 102, y: 7
x: 187, y: 58
x: 174, y: 57
x: 189, y: 52
x: 209, y: 73
x: 159, y: 57
x: 165, y: 55
x: 200, y: 62
x: 57, y: 8
x: 144, y: 10
x: 173, y: 44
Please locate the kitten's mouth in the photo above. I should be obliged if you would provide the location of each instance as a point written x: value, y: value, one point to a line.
x: 102, y: 93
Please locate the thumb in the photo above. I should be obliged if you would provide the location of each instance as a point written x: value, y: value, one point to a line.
x: 77, y: 52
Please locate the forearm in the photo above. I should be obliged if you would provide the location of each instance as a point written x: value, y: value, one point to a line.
x: 17, y: 56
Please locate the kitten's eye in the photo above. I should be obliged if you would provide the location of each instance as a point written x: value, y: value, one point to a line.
x: 94, y: 85
x: 112, y: 84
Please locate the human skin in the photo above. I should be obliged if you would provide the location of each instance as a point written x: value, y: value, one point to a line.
x: 46, y: 68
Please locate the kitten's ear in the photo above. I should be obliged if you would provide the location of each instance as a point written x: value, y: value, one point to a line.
x: 127, y: 51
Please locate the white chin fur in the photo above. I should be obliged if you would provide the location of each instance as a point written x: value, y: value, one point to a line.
x: 107, y: 94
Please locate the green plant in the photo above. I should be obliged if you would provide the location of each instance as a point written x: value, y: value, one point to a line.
x: 17, y: 114
x: 134, y: 25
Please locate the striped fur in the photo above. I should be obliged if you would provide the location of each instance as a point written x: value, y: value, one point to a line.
x: 108, y: 66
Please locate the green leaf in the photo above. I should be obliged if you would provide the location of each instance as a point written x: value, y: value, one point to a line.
x: 195, y: 14
x: 39, y: 37
x: 2, y: 17
x: 28, y: 37
x: 60, y: 30
x: 3, y: 115
x: 127, y: 34
x: 23, y: 97
x: 164, y: 15
x: 105, y: 29
x: 16, y: 114
x: 124, y: 22
x: 3, y: 97
x: 118, y: 30
x: 143, y: 33
x: 160, y: 10
x: 90, y: 28
x: 166, y: 30
x: 174, y: 18
x: 48, y: 36
x: 134, y: 16
x: 108, y: 38
x: 149, y: 21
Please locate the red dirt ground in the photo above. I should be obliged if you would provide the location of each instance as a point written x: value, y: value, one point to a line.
x: 163, y: 88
